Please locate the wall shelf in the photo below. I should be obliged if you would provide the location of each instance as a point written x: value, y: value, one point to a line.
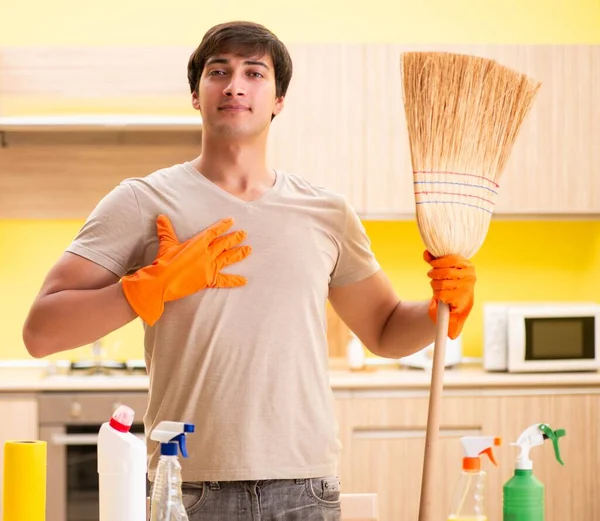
x: 99, y: 123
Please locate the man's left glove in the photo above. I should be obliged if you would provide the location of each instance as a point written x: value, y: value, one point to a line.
x: 453, y: 282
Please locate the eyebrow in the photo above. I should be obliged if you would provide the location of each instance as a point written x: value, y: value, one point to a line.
x: 246, y: 62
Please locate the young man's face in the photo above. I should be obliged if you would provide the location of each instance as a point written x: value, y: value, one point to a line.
x: 236, y: 95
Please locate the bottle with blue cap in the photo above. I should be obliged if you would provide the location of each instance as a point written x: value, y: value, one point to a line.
x: 167, y: 503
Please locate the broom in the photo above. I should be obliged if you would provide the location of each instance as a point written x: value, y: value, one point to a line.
x: 463, y: 115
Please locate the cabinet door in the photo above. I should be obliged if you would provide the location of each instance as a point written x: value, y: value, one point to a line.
x: 554, y: 167
x: 63, y: 175
x: 320, y: 134
x: 19, y: 422
x: 555, y: 164
x: 383, y: 440
x: 384, y: 443
x: 571, y: 490
x: 388, y: 170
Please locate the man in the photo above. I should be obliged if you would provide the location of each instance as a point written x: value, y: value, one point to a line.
x: 230, y: 264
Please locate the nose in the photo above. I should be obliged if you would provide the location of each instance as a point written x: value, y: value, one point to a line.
x: 235, y: 87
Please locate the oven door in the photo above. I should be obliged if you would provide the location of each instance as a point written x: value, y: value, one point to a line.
x: 69, y: 424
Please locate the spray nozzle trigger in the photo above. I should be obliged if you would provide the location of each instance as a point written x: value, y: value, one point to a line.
x: 475, y: 446
x: 490, y: 454
x: 170, y: 433
x: 554, y: 436
x: 181, y: 440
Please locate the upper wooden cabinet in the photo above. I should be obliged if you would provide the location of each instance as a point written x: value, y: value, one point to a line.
x: 63, y: 175
x: 555, y: 165
x: 343, y: 127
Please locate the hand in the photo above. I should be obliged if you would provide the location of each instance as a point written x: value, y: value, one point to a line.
x: 453, y: 282
x: 183, y: 268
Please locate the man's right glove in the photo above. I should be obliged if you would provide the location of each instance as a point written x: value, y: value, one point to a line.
x: 183, y: 268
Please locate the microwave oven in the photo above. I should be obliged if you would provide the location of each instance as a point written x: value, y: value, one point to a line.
x: 541, y: 337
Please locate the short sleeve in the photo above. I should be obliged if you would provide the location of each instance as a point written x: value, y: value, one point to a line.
x: 113, y: 235
x: 356, y: 261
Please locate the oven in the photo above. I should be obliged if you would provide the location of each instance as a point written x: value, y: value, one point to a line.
x: 69, y: 423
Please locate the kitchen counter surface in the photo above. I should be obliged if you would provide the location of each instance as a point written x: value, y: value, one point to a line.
x: 469, y: 377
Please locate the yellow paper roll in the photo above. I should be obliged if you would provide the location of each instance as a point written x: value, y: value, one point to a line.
x: 24, y: 490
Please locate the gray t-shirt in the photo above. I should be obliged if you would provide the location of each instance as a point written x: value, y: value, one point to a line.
x: 248, y: 366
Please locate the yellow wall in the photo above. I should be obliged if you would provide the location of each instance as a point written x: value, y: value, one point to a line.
x: 519, y: 261
x: 28, y: 249
x: 138, y: 22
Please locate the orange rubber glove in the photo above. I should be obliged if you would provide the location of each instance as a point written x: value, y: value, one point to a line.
x: 183, y: 268
x: 453, y: 282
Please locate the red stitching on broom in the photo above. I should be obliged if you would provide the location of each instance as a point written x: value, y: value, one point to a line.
x: 458, y: 173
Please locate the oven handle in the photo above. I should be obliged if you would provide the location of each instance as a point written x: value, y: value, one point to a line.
x: 81, y: 439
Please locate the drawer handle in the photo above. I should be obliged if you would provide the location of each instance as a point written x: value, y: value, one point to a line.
x: 80, y: 439
x: 389, y: 433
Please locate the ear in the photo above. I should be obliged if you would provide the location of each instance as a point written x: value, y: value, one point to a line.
x: 195, y: 101
x: 278, y: 105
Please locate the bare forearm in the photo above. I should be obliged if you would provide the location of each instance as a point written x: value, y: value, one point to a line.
x: 407, y: 330
x: 73, y: 318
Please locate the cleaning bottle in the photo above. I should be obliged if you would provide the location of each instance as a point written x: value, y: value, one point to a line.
x: 167, y: 503
x: 469, y: 495
x: 523, y: 494
x: 121, y: 469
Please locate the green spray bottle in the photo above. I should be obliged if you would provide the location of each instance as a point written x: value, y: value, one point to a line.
x: 523, y: 494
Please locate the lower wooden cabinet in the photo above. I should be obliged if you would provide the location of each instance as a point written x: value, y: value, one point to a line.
x: 384, y: 439
x: 18, y: 421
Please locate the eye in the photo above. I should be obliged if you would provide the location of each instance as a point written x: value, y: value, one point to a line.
x: 216, y: 72
x: 256, y: 74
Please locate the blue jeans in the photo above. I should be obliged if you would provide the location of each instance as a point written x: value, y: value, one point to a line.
x: 311, y: 499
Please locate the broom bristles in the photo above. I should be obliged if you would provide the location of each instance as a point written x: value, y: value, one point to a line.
x: 463, y: 116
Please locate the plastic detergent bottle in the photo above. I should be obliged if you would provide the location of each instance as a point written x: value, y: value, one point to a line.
x: 469, y: 494
x: 121, y: 469
x: 523, y: 494
x: 167, y: 503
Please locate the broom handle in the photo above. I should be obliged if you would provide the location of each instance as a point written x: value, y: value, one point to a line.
x: 433, y: 419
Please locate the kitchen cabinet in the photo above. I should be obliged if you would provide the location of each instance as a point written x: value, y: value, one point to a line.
x: 19, y: 414
x: 555, y: 165
x: 343, y: 127
x: 64, y: 174
x: 384, y: 437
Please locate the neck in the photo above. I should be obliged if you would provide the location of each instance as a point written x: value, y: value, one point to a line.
x: 238, y: 166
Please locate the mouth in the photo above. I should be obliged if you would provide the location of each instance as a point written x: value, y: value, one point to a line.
x: 234, y: 108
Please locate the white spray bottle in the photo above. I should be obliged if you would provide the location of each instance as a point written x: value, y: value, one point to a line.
x: 167, y: 502
x: 121, y: 469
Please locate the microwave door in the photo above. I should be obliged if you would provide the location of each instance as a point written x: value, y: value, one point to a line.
x: 553, y: 340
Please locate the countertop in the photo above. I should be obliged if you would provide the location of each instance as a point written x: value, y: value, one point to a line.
x: 467, y: 377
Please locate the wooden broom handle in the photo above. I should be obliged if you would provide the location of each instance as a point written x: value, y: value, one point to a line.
x: 432, y: 458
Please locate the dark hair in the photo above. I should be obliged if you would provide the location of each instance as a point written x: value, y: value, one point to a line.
x: 246, y: 39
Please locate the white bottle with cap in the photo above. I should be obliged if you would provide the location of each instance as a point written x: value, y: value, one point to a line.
x: 122, y: 469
